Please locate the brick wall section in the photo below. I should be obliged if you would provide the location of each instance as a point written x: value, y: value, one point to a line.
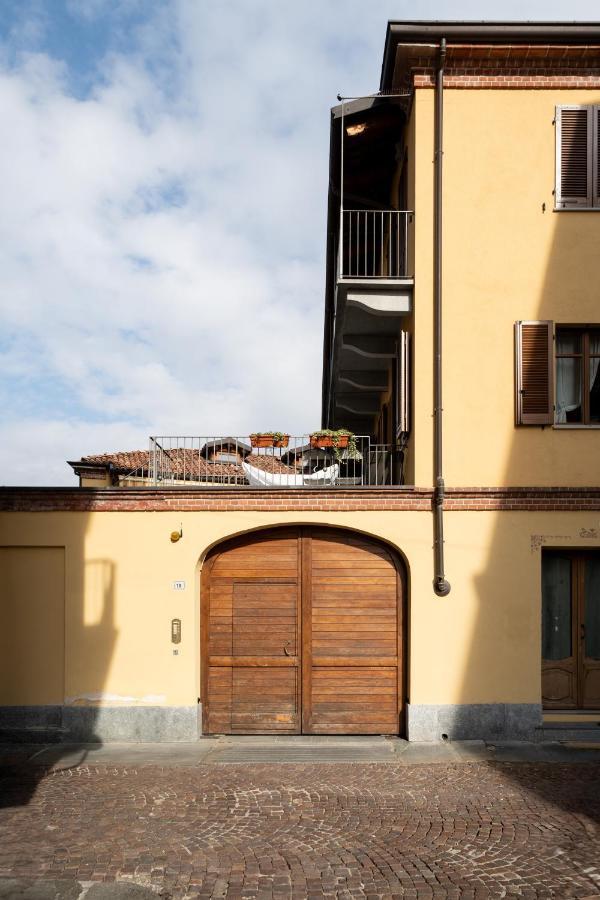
x: 528, y: 499
x: 507, y: 66
x: 509, y: 79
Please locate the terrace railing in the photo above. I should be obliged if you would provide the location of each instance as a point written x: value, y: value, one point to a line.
x: 375, y: 243
x: 186, y: 461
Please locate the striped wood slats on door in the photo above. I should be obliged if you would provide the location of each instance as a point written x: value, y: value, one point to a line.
x: 302, y: 631
x: 351, y: 685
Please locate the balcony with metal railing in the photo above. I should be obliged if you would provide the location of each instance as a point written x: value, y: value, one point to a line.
x: 375, y: 243
x: 297, y: 461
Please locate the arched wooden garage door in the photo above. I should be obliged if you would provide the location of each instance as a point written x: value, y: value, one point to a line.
x: 302, y: 632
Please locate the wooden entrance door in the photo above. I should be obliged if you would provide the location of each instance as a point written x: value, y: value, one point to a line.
x: 571, y: 630
x: 302, y: 631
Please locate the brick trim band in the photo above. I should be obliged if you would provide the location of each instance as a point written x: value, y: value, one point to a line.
x: 511, y: 79
x: 505, y: 66
x: 526, y: 499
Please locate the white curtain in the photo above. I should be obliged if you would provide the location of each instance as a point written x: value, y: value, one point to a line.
x: 568, y: 387
x: 594, y: 363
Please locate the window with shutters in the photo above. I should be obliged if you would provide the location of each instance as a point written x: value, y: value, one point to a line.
x: 577, y: 157
x: 557, y: 384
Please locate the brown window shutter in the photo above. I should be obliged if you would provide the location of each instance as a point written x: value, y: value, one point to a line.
x: 574, y: 151
x: 534, y: 401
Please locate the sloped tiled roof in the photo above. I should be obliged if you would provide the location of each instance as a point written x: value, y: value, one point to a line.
x: 269, y: 463
x: 181, y: 463
x: 123, y: 462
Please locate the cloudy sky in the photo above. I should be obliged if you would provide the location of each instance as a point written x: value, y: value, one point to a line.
x: 163, y: 180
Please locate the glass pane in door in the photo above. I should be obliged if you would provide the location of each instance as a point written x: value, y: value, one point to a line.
x: 592, y: 608
x: 556, y: 607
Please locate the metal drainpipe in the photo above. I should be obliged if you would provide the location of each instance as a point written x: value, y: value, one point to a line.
x: 440, y: 585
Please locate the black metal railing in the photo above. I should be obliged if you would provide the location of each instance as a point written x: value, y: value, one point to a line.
x: 375, y: 243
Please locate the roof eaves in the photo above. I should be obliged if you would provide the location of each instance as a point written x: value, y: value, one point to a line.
x: 477, y: 31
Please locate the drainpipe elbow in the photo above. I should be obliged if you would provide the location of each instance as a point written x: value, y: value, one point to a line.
x: 441, y: 587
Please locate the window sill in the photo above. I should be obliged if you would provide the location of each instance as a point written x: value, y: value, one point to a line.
x: 573, y: 426
x: 585, y: 209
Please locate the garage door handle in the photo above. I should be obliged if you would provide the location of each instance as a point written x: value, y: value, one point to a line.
x: 285, y: 648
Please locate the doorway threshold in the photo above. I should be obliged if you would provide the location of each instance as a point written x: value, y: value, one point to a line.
x: 558, y: 716
x: 308, y: 748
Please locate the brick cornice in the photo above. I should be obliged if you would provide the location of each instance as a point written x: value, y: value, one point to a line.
x: 417, y: 499
x: 538, y: 67
x: 507, y: 80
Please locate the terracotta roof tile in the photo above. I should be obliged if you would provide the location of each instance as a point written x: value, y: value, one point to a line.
x: 185, y: 464
x: 269, y: 463
x: 126, y: 461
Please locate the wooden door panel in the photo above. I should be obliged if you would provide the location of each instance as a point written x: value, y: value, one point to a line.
x: 252, y: 610
x: 559, y: 632
x: 266, y: 557
x: 559, y: 687
x: 571, y: 629
x: 264, y: 700
x: 264, y: 619
x: 353, y: 683
x: 218, y: 720
x: 220, y: 618
x: 591, y: 688
x: 366, y: 700
x: 590, y: 631
x: 305, y: 603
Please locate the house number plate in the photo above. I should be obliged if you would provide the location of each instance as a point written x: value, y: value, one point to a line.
x: 179, y: 585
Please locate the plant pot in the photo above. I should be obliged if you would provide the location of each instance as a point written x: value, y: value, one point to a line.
x: 326, y: 440
x: 265, y: 440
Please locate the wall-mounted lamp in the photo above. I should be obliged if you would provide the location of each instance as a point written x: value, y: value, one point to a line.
x: 176, y: 535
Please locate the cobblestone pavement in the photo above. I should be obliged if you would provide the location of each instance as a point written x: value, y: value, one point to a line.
x: 470, y: 830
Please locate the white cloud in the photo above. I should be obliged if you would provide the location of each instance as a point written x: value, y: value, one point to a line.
x: 162, y: 234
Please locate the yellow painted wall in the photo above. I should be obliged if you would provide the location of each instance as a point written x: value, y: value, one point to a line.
x: 408, y: 323
x: 504, y: 259
x: 32, y: 624
x: 481, y: 644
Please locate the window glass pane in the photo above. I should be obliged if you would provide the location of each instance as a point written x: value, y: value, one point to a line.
x: 568, y: 341
x: 595, y: 389
x: 568, y: 390
x: 225, y: 457
x: 592, y: 608
x: 556, y: 607
x: 594, y: 343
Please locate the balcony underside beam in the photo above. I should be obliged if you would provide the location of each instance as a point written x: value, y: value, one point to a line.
x: 364, y: 381
x: 380, y: 304
x: 374, y: 346
x: 359, y: 404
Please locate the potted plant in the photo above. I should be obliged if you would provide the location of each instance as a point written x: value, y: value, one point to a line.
x: 269, y: 439
x: 341, y: 439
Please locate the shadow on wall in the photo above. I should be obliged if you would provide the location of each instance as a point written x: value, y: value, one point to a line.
x: 56, y: 644
x: 504, y: 650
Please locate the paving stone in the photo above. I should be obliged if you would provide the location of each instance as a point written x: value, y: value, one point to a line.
x: 33, y: 889
x: 119, y: 891
x: 267, y: 830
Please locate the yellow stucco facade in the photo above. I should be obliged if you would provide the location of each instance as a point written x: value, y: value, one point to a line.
x: 508, y: 256
x: 107, y: 577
